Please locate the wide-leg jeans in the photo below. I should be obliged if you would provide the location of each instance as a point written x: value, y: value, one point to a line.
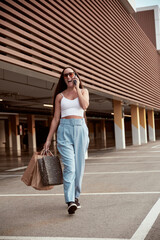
x: 72, y: 144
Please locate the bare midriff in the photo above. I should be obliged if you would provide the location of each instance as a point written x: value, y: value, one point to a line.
x: 72, y: 116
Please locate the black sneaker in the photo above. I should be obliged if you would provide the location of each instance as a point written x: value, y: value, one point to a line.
x: 77, y: 203
x: 72, y: 207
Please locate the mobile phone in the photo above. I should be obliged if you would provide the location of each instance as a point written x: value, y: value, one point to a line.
x: 75, y: 82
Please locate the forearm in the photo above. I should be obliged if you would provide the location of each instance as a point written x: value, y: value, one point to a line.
x: 52, y: 130
x: 82, y: 100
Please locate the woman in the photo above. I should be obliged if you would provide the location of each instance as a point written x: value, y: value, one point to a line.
x: 70, y: 102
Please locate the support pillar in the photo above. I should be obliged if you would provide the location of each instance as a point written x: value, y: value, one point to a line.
x: 143, y: 129
x: 136, y: 139
x: 151, y: 126
x: 16, y: 146
x: 8, y: 133
x: 31, y: 134
x: 119, y: 126
x: 103, y: 133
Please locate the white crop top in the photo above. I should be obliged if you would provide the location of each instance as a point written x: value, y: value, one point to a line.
x: 71, y: 107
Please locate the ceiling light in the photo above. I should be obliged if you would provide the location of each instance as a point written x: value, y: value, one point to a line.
x: 48, y: 105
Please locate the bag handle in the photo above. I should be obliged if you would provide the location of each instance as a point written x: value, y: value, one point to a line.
x: 50, y: 152
x: 44, y: 152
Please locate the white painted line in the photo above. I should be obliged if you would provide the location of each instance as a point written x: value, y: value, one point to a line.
x: 31, y: 195
x: 119, y: 163
x: 119, y: 193
x: 126, y: 172
x: 157, y: 146
x: 55, y: 238
x: 10, y: 175
x: 109, y: 157
x: 82, y: 194
x: 147, y: 223
x: 16, y: 169
x: 98, y: 173
x: 24, y: 167
x: 127, y: 152
x: 154, y: 151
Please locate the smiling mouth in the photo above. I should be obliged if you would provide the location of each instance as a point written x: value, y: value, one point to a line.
x: 69, y: 80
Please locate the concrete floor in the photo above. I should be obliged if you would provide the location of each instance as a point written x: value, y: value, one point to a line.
x: 120, y: 199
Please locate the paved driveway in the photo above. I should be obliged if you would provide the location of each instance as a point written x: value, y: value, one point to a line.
x: 120, y: 200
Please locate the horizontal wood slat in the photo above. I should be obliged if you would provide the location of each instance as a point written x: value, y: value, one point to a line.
x: 54, y: 61
x: 98, y: 37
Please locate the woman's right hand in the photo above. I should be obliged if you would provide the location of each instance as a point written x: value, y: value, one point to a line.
x: 47, y: 145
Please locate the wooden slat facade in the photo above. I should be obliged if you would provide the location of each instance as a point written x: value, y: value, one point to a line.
x: 98, y: 37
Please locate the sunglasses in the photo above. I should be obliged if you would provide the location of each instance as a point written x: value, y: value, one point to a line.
x: 70, y: 74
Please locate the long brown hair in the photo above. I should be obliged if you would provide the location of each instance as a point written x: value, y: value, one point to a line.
x: 61, y: 86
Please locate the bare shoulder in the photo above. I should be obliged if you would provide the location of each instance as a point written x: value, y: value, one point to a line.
x: 59, y: 97
x: 84, y: 91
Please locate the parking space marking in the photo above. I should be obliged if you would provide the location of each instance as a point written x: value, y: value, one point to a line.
x: 16, y: 169
x: 141, y: 151
x: 99, y: 173
x: 147, y: 223
x: 127, y: 152
x: 88, y: 163
x: 3, y: 176
x: 125, y: 172
x: 55, y: 238
x: 10, y: 175
x: 154, y: 151
x: 109, y: 157
x: 156, y: 146
x: 119, y: 163
x: 82, y: 194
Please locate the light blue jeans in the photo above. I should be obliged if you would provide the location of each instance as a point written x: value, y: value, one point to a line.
x: 72, y: 144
